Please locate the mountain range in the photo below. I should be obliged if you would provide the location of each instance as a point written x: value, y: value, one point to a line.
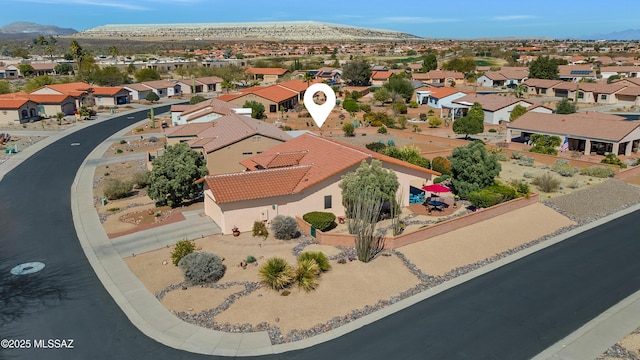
x: 631, y: 34
x: 27, y: 28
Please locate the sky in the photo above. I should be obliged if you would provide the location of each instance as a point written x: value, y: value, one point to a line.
x: 461, y: 19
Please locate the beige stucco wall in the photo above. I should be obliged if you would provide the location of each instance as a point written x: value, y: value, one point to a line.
x: 9, y: 116
x: 227, y: 159
x: 251, y: 97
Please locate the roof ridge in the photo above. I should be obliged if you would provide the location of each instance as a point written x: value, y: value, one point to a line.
x: 260, y: 171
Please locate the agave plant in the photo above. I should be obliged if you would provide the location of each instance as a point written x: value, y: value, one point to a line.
x: 319, y: 257
x: 306, y: 274
x: 276, y: 273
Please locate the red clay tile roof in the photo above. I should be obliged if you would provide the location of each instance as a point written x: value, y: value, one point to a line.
x: 229, y: 97
x: 278, y: 160
x: 591, y: 87
x: 542, y: 83
x: 443, y: 74
x: 215, y: 105
x: 565, y: 70
x: 159, y: 84
x: 180, y: 108
x: 137, y: 87
x: 631, y: 90
x: 381, y: 75
x: 442, y: 92
x: 12, y: 104
x: 295, y: 85
x: 266, y: 71
x: 276, y: 93
x: 107, y: 90
x: 256, y: 184
x: 70, y: 88
x: 210, y: 80
x: 39, y: 98
x: 591, y: 125
x: 489, y: 102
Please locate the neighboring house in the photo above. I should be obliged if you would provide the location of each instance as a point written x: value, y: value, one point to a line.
x: 138, y: 91
x: 496, y: 108
x: 379, y: 78
x: 227, y: 140
x: 47, y: 68
x: 576, y: 72
x: 541, y: 87
x: 296, y: 85
x: 163, y: 88
x: 588, y: 132
x: 623, y: 71
x: 329, y: 74
x: 204, y: 111
x: 507, y: 76
x: 85, y: 94
x: 294, y: 178
x: 447, y: 78
x: 48, y: 105
x: 9, y: 72
x: 589, y: 92
x: 436, y: 97
x: 266, y: 75
x: 201, y: 85
x: 629, y: 96
x: 110, y: 95
x: 273, y: 97
x: 17, y: 111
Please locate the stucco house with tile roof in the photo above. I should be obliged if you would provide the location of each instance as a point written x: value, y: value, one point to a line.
x: 267, y: 75
x: 588, y: 132
x: 496, y: 108
x: 541, y: 87
x: 201, y: 85
x: 503, y: 77
x: 48, y: 105
x: 589, y: 92
x: 204, y: 111
x: 17, y: 110
x: 444, y: 77
x: 86, y: 94
x: 163, y: 88
x: 227, y: 140
x: 272, y: 97
x: 294, y: 178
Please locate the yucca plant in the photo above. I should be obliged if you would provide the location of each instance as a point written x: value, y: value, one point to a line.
x: 306, y: 274
x: 276, y: 273
x: 319, y: 257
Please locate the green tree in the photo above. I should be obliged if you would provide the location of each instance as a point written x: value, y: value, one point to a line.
x: 110, y: 76
x: 464, y: 65
x: 351, y: 105
x: 26, y: 70
x: 519, y: 91
x: 472, y: 123
x: 257, y: 109
x: 371, y: 179
x: 59, y: 117
x: 147, y: 74
x: 429, y: 62
x: 113, y: 51
x: 38, y: 82
x: 172, y: 179
x: 543, y: 68
x: 20, y: 52
x: 348, y: 129
x: 152, y: 96
x: 5, y: 87
x: 611, y: 78
x: 76, y: 52
x: 545, y: 144
x: 409, y: 153
x: 473, y: 168
x: 381, y: 95
x: 308, y: 77
x: 565, y: 107
x: 357, y: 73
x: 400, y: 86
x: 63, y: 69
x: 517, y: 111
x: 196, y: 99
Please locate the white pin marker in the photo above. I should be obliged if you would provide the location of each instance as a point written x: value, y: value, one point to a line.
x: 319, y: 113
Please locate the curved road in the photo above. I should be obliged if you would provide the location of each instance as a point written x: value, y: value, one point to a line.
x: 513, y: 312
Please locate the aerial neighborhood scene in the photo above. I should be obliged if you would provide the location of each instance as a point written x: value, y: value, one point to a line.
x: 194, y: 180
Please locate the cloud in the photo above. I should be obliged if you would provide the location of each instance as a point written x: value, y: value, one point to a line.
x: 413, y: 20
x: 99, y: 3
x: 512, y: 17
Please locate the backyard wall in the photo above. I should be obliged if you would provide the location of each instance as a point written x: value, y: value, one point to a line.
x: 394, y: 242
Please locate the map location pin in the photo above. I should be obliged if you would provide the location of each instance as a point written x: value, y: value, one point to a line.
x: 319, y: 113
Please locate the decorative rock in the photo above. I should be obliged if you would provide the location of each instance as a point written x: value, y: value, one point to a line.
x: 164, y: 262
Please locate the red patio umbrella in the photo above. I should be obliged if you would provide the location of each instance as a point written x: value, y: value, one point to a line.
x: 436, y: 188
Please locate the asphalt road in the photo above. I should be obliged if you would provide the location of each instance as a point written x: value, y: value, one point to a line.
x: 513, y: 312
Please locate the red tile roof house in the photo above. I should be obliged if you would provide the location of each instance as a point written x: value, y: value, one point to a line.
x: 201, y: 85
x: 496, y: 108
x: 588, y: 132
x: 272, y: 97
x: 503, y: 77
x: 204, y: 111
x: 228, y: 140
x: 17, y: 111
x: 447, y: 78
x: 267, y: 75
x: 48, y: 104
x: 294, y: 178
x: 541, y: 87
x: 86, y: 94
x: 589, y: 93
x: 163, y: 88
x: 379, y: 78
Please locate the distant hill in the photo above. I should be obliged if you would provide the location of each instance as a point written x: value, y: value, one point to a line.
x: 291, y: 31
x: 631, y: 34
x: 22, y: 28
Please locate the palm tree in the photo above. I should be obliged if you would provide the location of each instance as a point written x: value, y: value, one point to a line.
x: 519, y: 91
x: 49, y: 50
x: 113, y: 51
x: 76, y: 52
x: 308, y: 77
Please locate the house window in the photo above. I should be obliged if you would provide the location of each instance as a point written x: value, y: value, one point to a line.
x: 273, y: 108
x: 580, y: 95
x: 603, y: 97
x: 327, y: 202
x: 25, y: 114
x: 543, y: 91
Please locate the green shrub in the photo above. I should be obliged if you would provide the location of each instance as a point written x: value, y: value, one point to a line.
x: 306, y: 274
x: 413, y: 104
x: 441, y: 165
x: 526, y: 161
x: 123, y: 141
x: 598, y: 171
x: 250, y: 259
x: 506, y: 192
x: 562, y: 167
x: 440, y: 179
x: 260, y: 229
x: 116, y: 189
x: 140, y: 179
x: 527, y: 175
x: 382, y: 130
x: 493, y: 130
x: 613, y: 160
x: 322, y: 221
x: 484, y: 198
x: 318, y: 256
x: 547, y: 183
x: 365, y: 108
x: 284, y: 227
x: 521, y: 187
x: 202, y: 268
x: 517, y: 155
x: 118, y: 151
x: 276, y: 273
x: 399, y: 107
x: 182, y: 249
x: 376, y: 146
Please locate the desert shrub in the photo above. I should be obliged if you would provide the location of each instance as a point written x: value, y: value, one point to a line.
x: 423, y: 117
x: 413, y: 104
x: 306, y: 274
x: 153, y: 139
x: 434, y: 122
x: 116, y: 189
x: 521, y: 188
x: 598, y: 171
x: 140, y: 179
x: 382, y: 130
x: 118, y: 151
x: 484, y: 198
x: 493, y: 130
x: 322, y: 221
x: 547, y: 183
x: 123, y: 141
x: 441, y: 165
x: 376, y: 146
x: 365, y: 107
x: 442, y: 178
x: 399, y: 107
x: 506, y: 192
x: 613, y: 159
x: 250, y: 259
x: 260, y: 229
x: 276, y: 273
x: 562, y: 167
x: 573, y: 185
x: 528, y: 175
x: 318, y: 256
x: 284, y: 227
x: 182, y: 249
x: 526, y: 161
x: 501, y: 157
x: 517, y: 155
x: 348, y: 129
x: 202, y: 268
